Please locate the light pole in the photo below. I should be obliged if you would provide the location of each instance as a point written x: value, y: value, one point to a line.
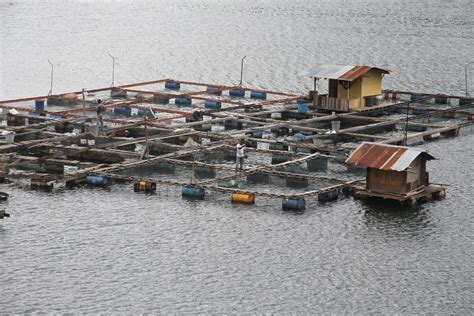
x: 242, y: 70
x: 465, y: 77
x: 52, y: 76
x: 113, y: 69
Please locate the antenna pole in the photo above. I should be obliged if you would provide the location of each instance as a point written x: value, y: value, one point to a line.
x: 113, y: 69
x: 52, y: 77
x: 242, y: 70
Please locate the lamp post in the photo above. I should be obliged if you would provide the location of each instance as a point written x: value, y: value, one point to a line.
x: 52, y: 76
x: 465, y: 77
x: 113, y: 69
x: 242, y: 70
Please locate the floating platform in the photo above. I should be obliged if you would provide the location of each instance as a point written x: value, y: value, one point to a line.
x: 177, y: 133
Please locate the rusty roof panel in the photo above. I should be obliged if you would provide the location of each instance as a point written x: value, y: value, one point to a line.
x: 339, y: 72
x: 355, y: 73
x: 385, y: 157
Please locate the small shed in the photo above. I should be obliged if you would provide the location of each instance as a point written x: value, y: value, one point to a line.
x: 349, y: 87
x: 392, y: 170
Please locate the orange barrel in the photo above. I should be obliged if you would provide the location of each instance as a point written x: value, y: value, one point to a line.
x: 245, y: 198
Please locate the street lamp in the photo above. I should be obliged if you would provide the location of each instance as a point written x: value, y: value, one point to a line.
x: 52, y: 76
x: 242, y: 70
x: 113, y: 69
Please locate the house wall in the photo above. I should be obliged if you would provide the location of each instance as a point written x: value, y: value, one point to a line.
x: 416, y: 173
x: 386, y: 181
x: 371, y: 83
x: 355, y: 91
x: 398, y: 181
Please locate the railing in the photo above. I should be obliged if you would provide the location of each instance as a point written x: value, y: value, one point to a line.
x: 325, y: 102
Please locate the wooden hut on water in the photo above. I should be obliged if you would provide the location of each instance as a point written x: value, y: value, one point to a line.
x: 349, y: 88
x: 394, y: 172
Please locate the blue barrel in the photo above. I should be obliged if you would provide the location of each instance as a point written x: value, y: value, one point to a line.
x: 143, y: 112
x: 302, y: 108
x: 237, y: 93
x: 122, y: 110
x: 172, y: 85
x: 96, y: 180
x: 416, y: 111
x: 232, y: 124
x: 192, y: 193
x: 56, y: 116
x: 415, y: 97
x: 257, y: 134
x: 39, y: 105
x: 258, y: 95
x: 212, y: 105
x: 211, y: 90
x: 293, y: 204
x: 186, y: 101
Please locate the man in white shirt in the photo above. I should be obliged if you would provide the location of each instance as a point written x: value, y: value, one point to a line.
x: 239, y: 154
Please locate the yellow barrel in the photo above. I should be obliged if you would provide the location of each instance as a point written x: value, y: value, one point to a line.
x: 243, y: 198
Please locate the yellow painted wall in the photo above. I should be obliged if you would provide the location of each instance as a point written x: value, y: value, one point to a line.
x: 372, y: 83
x: 354, y: 92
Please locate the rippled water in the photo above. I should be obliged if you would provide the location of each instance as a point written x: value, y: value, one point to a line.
x: 112, y: 250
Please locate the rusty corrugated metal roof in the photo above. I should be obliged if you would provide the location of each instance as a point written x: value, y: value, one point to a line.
x: 384, y: 157
x: 339, y: 72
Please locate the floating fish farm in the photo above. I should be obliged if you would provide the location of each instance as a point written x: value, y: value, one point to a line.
x: 183, y: 134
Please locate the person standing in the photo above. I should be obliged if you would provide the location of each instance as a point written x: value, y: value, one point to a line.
x: 239, y: 154
x: 100, y: 113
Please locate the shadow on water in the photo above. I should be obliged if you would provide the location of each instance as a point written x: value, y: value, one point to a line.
x: 394, y: 219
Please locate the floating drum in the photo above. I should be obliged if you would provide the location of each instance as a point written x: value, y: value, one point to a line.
x: 416, y: 97
x: 144, y: 186
x: 441, y: 99
x: 172, y: 85
x: 328, y: 196
x: 191, y: 192
x: 232, y: 124
x: 212, y: 105
x: 211, y: 90
x: 144, y: 112
x: 276, y: 116
x: 233, y: 183
x: 388, y: 95
x: 185, y: 101
x: 237, y: 93
x: 244, y: 198
x: 280, y: 131
x: 258, y: 178
x: 96, y: 180
x: 205, y: 172
x: 257, y: 134
x: 317, y: 164
x: 203, y: 127
x: 296, y: 183
x: 165, y: 167
x: 39, y: 104
x: 123, y: 111
x: 370, y: 101
x: 302, y: 108
x: 258, y: 95
x: 465, y: 101
x: 293, y: 204
x: 157, y: 98
x: 419, y: 111
x: 396, y: 96
x: 277, y: 159
x: 470, y: 117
